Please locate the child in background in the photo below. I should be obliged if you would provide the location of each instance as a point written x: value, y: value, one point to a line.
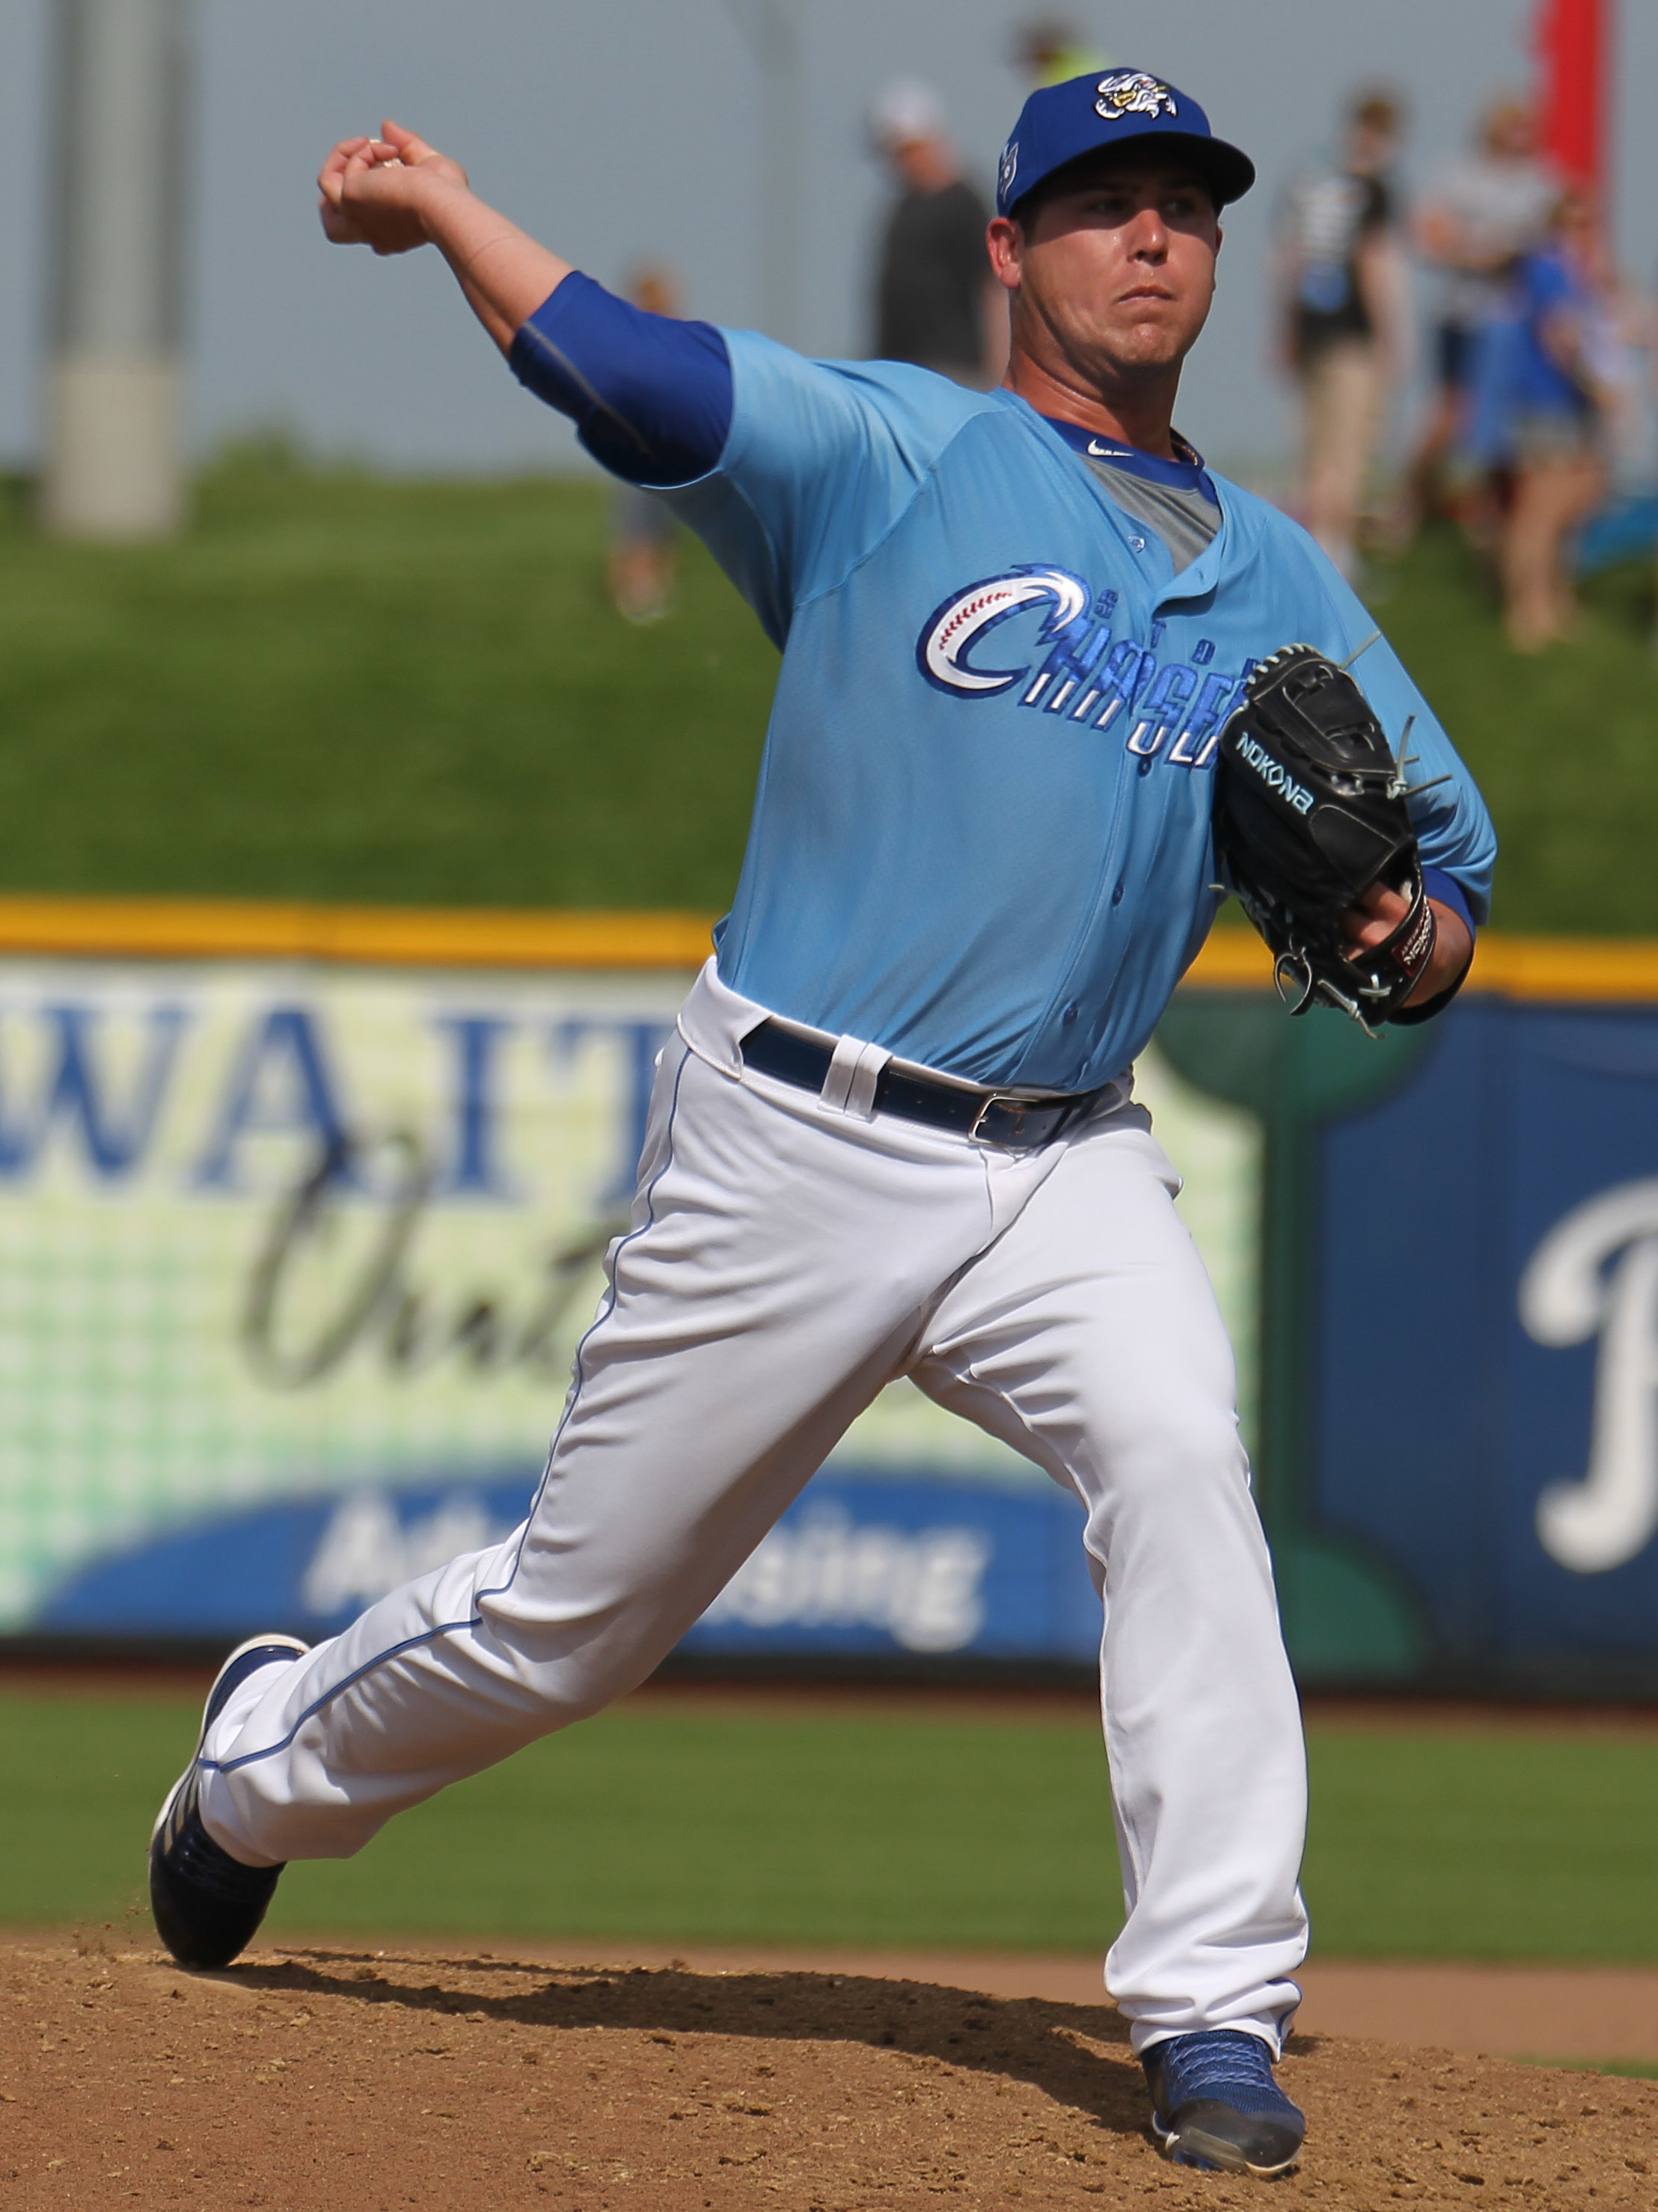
x: 643, y: 558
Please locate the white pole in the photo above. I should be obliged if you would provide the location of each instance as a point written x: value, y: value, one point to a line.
x: 773, y: 39
x: 113, y: 462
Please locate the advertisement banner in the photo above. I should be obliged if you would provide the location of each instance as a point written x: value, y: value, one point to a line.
x: 295, y: 1256
x: 1490, y: 1435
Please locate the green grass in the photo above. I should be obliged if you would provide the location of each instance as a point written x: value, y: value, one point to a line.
x: 1565, y: 746
x: 679, y: 1826
x: 1459, y: 1843
x: 951, y: 1833
x: 336, y: 687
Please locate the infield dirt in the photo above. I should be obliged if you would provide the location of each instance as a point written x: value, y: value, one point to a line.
x: 317, y: 2078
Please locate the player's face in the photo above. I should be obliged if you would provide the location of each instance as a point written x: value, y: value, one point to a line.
x: 1119, y: 270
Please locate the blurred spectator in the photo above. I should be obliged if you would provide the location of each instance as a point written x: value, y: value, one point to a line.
x: 1480, y: 215
x: 1049, y: 52
x: 1556, y: 401
x: 936, y: 301
x: 643, y: 558
x: 1342, y: 273
x: 1620, y: 330
x: 1647, y: 335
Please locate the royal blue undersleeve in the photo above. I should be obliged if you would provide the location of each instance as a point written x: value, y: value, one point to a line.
x: 651, y: 397
x: 1447, y: 890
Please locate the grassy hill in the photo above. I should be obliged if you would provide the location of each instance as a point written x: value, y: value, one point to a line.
x: 336, y: 688
x: 339, y: 687
x: 1564, y: 745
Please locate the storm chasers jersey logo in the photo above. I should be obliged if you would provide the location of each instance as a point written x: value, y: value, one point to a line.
x: 1132, y: 92
x: 1073, y: 667
x: 966, y: 617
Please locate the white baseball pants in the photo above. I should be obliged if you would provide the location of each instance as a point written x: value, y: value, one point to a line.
x: 788, y: 1254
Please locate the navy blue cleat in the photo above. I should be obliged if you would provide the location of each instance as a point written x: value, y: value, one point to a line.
x: 1215, y: 2104
x: 207, y: 1905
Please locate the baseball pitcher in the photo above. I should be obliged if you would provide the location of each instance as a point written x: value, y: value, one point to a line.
x: 895, y: 1134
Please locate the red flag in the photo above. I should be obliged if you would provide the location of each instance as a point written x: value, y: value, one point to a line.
x: 1574, y: 38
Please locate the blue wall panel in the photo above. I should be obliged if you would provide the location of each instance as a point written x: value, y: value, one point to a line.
x: 1452, y: 1397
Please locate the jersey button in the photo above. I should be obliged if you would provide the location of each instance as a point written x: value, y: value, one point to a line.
x: 1117, y: 895
x: 1070, y: 1013
x: 1139, y: 545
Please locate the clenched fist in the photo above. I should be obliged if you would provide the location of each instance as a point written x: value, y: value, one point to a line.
x: 378, y: 193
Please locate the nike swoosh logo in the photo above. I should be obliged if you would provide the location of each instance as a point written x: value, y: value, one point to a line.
x: 1107, y: 452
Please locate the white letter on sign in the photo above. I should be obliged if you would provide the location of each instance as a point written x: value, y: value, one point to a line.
x: 1571, y: 1291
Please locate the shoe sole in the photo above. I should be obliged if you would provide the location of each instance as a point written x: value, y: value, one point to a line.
x: 267, y: 1642
x: 1191, y: 2146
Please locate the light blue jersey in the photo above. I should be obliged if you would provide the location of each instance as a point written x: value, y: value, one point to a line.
x: 981, y: 837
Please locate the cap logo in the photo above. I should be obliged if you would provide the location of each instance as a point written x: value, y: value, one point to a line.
x: 1132, y: 92
x: 1008, y: 169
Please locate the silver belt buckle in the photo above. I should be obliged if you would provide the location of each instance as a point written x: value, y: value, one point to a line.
x: 996, y: 1099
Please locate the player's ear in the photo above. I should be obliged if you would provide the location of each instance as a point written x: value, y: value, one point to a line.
x: 1004, y: 242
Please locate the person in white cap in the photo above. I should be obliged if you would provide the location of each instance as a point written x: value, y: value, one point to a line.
x: 935, y: 303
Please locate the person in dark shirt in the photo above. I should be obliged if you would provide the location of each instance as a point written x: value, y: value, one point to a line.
x: 935, y: 299
x: 1342, y: 309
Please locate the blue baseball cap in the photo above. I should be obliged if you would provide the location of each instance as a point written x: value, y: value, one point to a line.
x: 1088, y: 114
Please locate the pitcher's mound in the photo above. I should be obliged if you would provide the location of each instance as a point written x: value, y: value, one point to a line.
x: 326, y: 2079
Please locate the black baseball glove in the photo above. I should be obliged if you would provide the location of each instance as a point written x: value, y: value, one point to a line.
x: 1309, y: 813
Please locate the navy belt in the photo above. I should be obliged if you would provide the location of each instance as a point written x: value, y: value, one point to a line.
x: 1017, y: 1119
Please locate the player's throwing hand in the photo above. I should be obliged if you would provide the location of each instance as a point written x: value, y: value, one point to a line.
x: 395, y: 192
x: 376, y: 192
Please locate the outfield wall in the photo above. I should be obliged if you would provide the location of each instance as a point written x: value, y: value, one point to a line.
x: 302, y: 1209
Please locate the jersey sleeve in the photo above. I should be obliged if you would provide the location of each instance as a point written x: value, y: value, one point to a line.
x: 822, y: 460
x: 1454, y: 830
x: 649, y: 395
x: 1455, y: 841
x: 791, y: 470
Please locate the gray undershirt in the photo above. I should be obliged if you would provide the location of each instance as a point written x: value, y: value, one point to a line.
x: 1185, y: 521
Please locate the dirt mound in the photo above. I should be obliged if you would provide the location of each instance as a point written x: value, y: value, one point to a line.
x: 325, y: 2078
